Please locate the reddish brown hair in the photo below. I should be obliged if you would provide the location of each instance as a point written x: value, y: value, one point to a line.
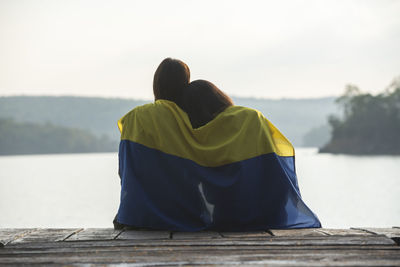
x: 170, y: 78
x: 202, y: 101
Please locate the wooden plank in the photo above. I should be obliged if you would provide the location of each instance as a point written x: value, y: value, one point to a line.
x: 205, y: 261
x: 143, y: 235
x: 47, y: 235
x: 195, y: 235
x: 27, y: 252
x: 95, y: 234
x: 8, y: 235
x: 210, y: 261
x: 186, y: 255
x: 372, y: 240
x: 297, y: 232
x: 393, y: 233
x: 128, y: 245
x: 342, y: 231
x: 389, y: 232
x: 257, y: 234
x: 307, y: 247
x: 180, y: 245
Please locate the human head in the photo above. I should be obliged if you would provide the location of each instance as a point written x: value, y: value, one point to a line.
x: 170, y: 78
x: 203, y: 101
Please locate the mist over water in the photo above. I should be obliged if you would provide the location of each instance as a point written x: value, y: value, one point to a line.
x: 82, y: 190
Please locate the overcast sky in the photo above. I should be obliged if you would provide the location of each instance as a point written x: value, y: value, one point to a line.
x: 260, y: 48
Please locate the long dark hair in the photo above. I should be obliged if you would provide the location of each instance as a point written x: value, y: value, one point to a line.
x: 170, y: 78
x: 203, y: 101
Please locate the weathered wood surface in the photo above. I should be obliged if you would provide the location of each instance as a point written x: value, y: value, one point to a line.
x: 212, y: 255
x: 8, y: 235
x: 389, y: 232
x: 393, y: 233
x: 144, y: 235
x: 297, y: 232
x: 46, y: 235
x: 246, y: 234
x: 343, y: 231
x: 195, y: 235
x: 305, y: 247
x: 94, y: 234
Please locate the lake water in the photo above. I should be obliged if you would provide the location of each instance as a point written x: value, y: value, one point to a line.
x: 82, y: 190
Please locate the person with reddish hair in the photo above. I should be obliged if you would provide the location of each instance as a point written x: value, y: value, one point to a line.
x: 203, y: 101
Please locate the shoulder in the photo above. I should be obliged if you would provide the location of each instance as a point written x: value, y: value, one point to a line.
x: 137, y: 110
x: 254, y: 121
x: 140, y: 109
x: 237, y: 119
x: 147, y: 109
x: 145, y: 115
x: 244, y: 113
x: 134, y: 114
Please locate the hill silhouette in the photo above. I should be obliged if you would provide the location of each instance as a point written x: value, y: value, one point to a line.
x: 30, y: 138
x: 294, y: 117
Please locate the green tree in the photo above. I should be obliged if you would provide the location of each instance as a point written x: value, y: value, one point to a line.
x: 370, y: 124
x: 30, y: 138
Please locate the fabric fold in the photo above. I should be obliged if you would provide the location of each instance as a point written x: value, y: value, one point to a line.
x: 236, y: 173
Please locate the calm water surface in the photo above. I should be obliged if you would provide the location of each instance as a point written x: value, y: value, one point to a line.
x: 82, y: 190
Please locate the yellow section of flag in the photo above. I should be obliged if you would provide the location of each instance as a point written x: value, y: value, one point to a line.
x: 236, y: 134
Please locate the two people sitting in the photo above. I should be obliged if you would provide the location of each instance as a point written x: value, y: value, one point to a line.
x: 194, y: 161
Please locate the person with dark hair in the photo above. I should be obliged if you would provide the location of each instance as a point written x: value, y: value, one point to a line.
x: 203, y: 101
x: 170, y: 79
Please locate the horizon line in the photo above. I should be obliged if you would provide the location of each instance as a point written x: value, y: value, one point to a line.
x: 150, y: 99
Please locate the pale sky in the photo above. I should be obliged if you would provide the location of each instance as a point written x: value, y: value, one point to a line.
x: 268, y: 49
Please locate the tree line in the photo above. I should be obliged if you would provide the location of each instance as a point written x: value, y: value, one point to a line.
x: 294, y: 117
x: 370, y: 123
x: 32, y: 138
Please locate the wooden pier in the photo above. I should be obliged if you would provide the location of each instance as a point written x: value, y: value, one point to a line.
x: 106, y: 246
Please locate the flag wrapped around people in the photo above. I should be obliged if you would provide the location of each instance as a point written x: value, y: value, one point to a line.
x: 236, y: 173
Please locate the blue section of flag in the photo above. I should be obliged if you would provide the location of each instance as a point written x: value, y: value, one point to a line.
x: 163, y: 191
